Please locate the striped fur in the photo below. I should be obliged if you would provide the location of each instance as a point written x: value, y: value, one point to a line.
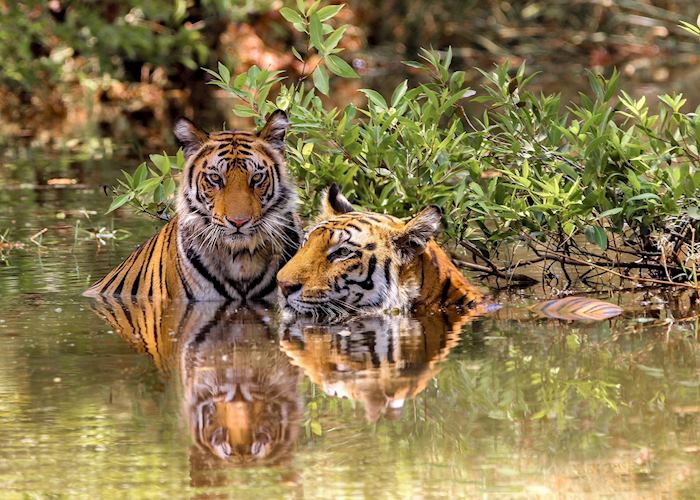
x: 235, y: 225
x: 362, y: 262
x: 382, y: 361
x: 240, y: 394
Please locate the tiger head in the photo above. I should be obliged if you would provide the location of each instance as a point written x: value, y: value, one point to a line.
x: 240, y: 392
x: 235, y: 189
x: 352, y: 262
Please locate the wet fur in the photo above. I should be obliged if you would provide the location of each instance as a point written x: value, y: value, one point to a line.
x: 355, y: 262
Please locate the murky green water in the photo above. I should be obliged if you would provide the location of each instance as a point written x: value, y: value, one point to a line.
x: 114, y: 400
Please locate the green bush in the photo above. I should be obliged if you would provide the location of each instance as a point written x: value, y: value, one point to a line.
x: 41, y: 43
x: 607, y: 168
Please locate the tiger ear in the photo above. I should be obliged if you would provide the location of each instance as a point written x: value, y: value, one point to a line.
x: 275, y: 129
x: 411, y: 242
x: 334, y: 203
x: 189, y: 136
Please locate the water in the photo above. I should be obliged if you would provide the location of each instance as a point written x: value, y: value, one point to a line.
x: 508, y: 404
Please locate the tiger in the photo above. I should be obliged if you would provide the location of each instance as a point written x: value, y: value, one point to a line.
x: 235, y: 223
x: 239, y: 392
x: 382, y: 361
x: 354, y: 262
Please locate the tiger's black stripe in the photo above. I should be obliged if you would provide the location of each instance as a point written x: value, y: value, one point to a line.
x: 188, y: 260
x: 193, y: 258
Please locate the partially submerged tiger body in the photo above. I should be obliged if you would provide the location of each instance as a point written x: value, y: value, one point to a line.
x: 235, y: 225
x: 362, y: 262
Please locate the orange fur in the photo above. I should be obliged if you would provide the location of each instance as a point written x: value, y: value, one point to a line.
x: 235, y: 225
x: 356, y: 262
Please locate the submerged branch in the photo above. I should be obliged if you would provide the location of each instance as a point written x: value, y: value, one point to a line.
x: 579, y: 258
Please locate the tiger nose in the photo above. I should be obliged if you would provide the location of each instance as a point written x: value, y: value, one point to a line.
x: 238, y: 221
x: 287, y: 287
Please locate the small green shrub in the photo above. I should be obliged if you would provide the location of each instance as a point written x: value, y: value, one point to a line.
x: 607, y: 168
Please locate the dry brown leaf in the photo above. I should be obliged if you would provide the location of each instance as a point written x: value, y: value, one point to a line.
x: 577, y: 308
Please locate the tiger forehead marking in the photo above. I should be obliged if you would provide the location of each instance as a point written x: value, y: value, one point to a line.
x: 363, y: 262
x: 354, y: 228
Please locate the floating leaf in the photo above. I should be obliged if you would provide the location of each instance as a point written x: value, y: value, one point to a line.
x: 577, y: 308
x: 61, y: 181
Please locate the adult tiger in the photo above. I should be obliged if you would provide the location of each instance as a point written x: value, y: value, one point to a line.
x: 361, y: 262
x: 235, y: 223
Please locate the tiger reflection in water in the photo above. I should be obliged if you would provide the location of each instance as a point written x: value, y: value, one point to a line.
x: 381, y: 361
x: 239, y: 392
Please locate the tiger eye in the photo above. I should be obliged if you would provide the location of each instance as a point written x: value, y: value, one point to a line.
x: 256, y: 178
x: 215, y: 178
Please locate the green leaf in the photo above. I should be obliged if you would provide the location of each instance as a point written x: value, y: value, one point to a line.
x: 169, y: 187
x: 608, y: 213
x: 240, y: 81
x: 224, y: 73
x: 150, y: 185
x: 329, y: 11
x: 399, y: 92
x: 180, y: 158
x: 291, y: 15
x: 645, y: 196
x: 320, y: 77
x: 243, y: 111
x: 335, y: 37
x: 162, y: 162
x: 375, y: 98
x: 316, y: 33
x: 120, y: 200
x: 597, y: 235
x: 340, y: 67
x: 140, y: 175
x: 413, y: 64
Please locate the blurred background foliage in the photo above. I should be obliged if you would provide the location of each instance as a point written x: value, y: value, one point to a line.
x: 123, y: 69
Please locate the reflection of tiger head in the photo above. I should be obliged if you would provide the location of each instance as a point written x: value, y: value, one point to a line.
x: 362, y: 262
x: 240, y: 394
x: 235, y: 187
x: 382, y: 361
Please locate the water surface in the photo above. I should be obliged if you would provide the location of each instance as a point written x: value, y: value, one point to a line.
x: 109, y: 399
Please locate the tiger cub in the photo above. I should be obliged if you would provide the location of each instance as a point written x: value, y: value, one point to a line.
x: 235, y: 223
x: 362, y: 262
